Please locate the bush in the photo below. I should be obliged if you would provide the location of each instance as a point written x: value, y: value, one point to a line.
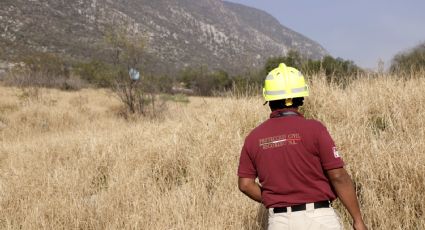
x: 96, y: 72
x: 293, y: 59
x: 204, y: 82
x: 43, y: 70
x: 336, y: 69
x: 126, y: 53
x: 409, y: 62
x: 248, y: 85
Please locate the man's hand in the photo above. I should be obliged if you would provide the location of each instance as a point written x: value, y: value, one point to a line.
x: 250, y: 188
x: 359, y: 226
x: 344, y: 188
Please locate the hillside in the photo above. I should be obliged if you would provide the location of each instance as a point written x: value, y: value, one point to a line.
x: 180, y: 33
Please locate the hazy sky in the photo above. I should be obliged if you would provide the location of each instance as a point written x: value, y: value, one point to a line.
x: 359, y: 30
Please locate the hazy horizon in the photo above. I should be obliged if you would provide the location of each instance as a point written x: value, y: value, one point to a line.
x: 362, y: 31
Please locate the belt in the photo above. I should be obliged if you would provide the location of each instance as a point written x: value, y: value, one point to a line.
x: 302, y: 207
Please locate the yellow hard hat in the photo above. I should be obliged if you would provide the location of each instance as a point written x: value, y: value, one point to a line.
x: 283, y: 83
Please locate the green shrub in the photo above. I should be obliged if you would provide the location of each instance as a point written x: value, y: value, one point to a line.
x: 96, y: 72
x: 293, y: 59
x: 412, y: 61
x: 126, y: 52
x: 40, y: 69
x: 205, y: 82
x: 336, y: 69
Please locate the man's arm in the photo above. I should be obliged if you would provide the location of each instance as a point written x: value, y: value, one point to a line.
x: 344, y: 188
x: 250, y: 188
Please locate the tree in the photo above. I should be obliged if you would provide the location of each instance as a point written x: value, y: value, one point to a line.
x: 43, y: 69
x: 126, y: 53
x: 96, y: 72
x: 336, y: 69
x: 205, y: 82
x: 292, y: 59
x: 409, y: 62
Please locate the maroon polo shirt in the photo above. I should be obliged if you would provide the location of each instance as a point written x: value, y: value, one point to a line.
x: 289, y: 155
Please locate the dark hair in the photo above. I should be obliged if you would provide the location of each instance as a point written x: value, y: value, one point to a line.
x: 280, y: 104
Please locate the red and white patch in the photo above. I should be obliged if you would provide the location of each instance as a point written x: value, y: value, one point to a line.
x: 336, y: 153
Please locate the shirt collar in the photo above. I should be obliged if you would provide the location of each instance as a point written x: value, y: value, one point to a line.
x: 285, y: 112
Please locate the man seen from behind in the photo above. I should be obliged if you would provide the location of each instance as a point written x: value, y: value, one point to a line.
x: 299, y: 169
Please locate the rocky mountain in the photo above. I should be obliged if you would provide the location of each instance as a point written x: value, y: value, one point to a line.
x: 179, y: 33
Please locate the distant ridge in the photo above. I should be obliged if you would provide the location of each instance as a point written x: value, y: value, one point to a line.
x: 181, y: 33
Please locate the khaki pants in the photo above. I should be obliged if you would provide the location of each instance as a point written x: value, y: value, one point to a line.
x: 310, y: 219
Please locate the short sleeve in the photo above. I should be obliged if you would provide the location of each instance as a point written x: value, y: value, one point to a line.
x: 329, y: 156
x: 246, y: 167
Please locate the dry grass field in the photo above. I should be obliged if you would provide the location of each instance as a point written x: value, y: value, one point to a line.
x: 68, y: 161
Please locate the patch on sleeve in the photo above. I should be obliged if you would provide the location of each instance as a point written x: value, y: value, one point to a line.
x: 336, y: 153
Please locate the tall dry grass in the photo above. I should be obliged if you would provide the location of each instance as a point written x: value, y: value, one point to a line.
x: 67, y: 161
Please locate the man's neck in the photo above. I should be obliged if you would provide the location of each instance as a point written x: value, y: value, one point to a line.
x: 287, y: 109
x: 285, y: 112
